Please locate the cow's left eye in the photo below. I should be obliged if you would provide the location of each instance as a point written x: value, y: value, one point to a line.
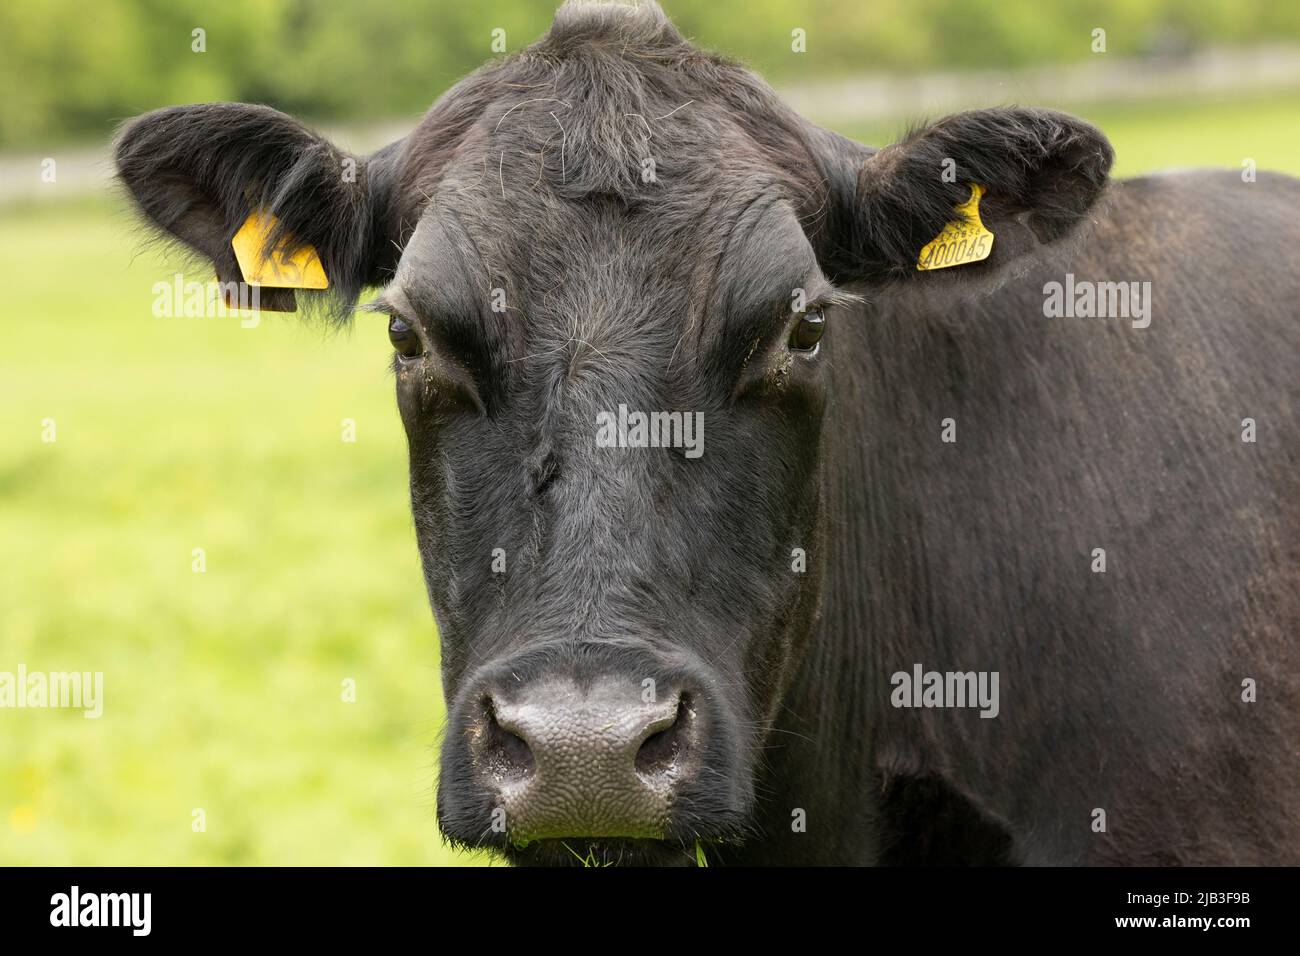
x: 404, y: 339
x: 808, y: 332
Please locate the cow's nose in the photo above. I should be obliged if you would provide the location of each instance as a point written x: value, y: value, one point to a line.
x: 597, y: 761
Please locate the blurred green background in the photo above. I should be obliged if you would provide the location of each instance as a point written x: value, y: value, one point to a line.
x: 355, y: 58
x: 224, y: 689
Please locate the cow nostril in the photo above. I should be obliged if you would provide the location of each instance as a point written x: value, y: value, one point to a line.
x: 660, y: 751
x: 503, y: 751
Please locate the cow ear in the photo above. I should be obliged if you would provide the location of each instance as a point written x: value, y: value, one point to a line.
x: 197, y: 173
x: 1031, y: 175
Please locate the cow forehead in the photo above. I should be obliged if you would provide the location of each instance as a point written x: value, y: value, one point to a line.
x: 602, y: 195
x: 596, y: 270
x: 543, y: 164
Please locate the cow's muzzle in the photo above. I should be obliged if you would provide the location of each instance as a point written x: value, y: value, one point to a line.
x: 540, y: 754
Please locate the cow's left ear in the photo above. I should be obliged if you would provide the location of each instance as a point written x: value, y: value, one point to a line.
x: 197, y: 173
x: 1038, y: 174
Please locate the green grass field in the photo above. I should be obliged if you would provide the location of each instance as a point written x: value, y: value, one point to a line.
x: 223, y: 689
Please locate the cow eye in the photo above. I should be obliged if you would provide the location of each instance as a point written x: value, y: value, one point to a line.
x: 808, y: 332
x: 403, y: 337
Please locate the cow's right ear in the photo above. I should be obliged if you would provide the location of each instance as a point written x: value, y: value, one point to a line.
x: 197, y: 172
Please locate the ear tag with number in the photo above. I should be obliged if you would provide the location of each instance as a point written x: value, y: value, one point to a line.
x: 962, y: 241
x: 277, y: 268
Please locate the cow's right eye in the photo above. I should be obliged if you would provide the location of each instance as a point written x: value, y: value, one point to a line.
x: 404, y: 339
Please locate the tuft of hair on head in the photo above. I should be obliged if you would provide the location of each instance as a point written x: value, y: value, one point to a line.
x: 624, y: 21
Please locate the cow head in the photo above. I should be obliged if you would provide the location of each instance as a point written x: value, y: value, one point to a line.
x: 613, y: 224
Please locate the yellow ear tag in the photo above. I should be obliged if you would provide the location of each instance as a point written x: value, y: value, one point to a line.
x: 278, y: 269
x: 961, y: 241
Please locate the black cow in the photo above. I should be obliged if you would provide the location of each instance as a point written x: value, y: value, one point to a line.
x: 961, y: 573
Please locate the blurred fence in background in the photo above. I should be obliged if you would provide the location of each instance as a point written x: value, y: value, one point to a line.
x: 840, y: 103
x: 70, y: 69
x: 1216, y: 72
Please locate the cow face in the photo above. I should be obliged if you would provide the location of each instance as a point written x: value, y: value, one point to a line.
x: 612, y: 270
